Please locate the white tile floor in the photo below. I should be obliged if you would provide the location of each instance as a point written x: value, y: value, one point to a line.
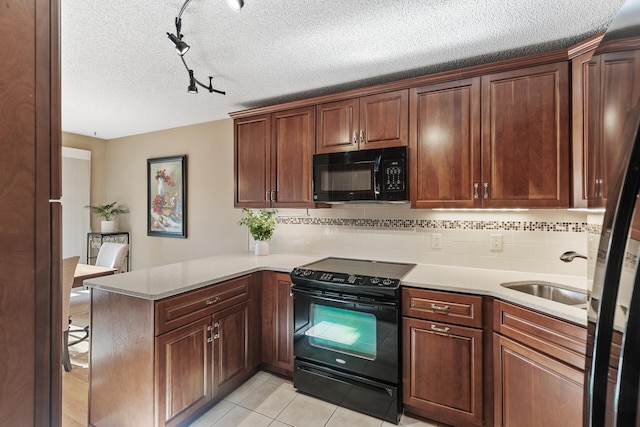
x: 269, y: 400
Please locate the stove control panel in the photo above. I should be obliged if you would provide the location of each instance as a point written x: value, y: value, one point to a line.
x: 345, y: 279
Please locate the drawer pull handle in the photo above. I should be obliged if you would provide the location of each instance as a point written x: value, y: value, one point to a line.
x: 355, y: 136
x: 441, y: 330
x: 440, y: 308
x: 476, y: 186
x: 486, y: 190
x: 217, y: 334
x: 213, y: 301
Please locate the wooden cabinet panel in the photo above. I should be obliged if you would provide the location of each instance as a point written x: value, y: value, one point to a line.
x: 533, y: 389
x: 179, y: 310
x: 374, y: 121
x: 525, y: 137
x: 442, y: 306
x: 384, y: 120
x: 292, y: 149
x: 230, y: 347
x: 445, y: 145
x: 580, y: 75
x: 184, y: 375
x: 442, y: 377
x: 252, y: 161
x: 562, y: 340
x: 337, y: 126
x: 277, y: 326
x: 617, y: 102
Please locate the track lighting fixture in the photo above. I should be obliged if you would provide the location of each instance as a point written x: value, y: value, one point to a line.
x: 182, y: 47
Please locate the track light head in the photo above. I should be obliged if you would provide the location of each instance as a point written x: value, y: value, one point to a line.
x: 192, y: 83
x: 181, y: 46
x: 235, y: 4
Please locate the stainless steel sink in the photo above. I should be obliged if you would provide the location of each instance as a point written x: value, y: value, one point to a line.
x: 550, y: 291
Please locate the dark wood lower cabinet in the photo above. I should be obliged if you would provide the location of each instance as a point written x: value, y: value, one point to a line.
x: 231, y: 352
x: 147, y: 373
x: 443, y: 371
x: 277, y: 323
x: 533, y: 389
x: 184, y: 371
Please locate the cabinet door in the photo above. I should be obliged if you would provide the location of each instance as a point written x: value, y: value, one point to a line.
x: 525, y: 137
x: 581, y: 71
x: 252, y: 161
x: 183, y: 372
x: 532, y: 389
x: 292, y: 149
x: 277, y: 326
x: 230, y: 347
x: 445, y: 145
x: 442, y: 371
x: 384, y: 120
x: 617, y: 103
x: 337, y: 126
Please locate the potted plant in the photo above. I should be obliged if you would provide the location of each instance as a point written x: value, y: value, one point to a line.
x: 261, y: 224
x: 109, y: 213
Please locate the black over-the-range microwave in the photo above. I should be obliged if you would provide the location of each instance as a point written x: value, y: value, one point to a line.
x: 378, y: 175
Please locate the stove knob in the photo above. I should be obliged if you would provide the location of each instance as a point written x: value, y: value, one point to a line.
x: 307, y: 272
x: 387, y: 282
x: 374, y: 280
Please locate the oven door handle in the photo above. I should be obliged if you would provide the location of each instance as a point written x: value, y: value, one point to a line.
x: 339, y: 300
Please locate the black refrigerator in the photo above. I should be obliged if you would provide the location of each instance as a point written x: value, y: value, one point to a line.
x: 612, y: 371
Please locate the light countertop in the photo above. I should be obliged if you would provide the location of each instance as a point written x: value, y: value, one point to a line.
x: 164, y: 281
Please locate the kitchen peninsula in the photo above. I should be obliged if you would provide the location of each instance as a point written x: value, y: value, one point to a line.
x: 148, y: 323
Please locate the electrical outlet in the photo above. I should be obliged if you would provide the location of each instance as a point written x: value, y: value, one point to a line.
x: 495, y: 242
x: 436, y: 241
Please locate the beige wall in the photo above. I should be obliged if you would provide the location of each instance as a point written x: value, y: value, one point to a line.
x: 118, y: 173
x: 211, y: 218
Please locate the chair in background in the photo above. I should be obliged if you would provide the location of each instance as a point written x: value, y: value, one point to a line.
x: 68, y: 271
x: 112, y: 255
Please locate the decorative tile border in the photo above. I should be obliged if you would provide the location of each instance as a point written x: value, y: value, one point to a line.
x: 429, y: 224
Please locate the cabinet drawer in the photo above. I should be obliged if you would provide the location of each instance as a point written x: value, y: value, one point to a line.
x: 447, y: 307
x: 557, y: 338
x: 177, y: 311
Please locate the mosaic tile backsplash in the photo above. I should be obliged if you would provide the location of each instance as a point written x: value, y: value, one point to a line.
x: 532, y: 240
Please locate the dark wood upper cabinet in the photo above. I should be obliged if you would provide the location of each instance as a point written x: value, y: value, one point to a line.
x: 525, y: 137
x: 445, y: 145
x: 252, y: 161
x: 337, y: 126
x: 618, y: 101
x: 292, y: 149
x: 374, y: 121
x: 581, y: 154
x: 274, y: 159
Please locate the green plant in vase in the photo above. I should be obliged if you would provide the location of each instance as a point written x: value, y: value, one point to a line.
x: 109, y: 213
x: 261, y: 224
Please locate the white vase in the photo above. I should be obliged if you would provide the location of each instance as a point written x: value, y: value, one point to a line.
x: 262, y: 247
x: 108, y: 226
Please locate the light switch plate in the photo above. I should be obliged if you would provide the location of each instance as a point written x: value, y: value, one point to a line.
x: 436, y: 241
x: 495, y: 242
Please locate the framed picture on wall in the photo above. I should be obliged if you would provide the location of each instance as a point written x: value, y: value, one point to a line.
x: 167, y: 196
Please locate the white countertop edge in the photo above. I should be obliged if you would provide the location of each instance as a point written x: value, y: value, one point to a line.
x: 168, y: 280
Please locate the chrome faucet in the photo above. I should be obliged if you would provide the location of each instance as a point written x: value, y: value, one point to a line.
x: 570, y: 255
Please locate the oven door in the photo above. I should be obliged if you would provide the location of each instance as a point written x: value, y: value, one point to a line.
x: 354, y: 336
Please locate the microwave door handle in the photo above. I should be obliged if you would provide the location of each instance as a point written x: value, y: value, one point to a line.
x: 377, y: 171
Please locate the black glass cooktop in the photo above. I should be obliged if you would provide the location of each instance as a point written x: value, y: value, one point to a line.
x: 359, y: 267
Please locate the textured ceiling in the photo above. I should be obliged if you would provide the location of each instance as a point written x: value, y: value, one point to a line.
x: 121, y: 75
